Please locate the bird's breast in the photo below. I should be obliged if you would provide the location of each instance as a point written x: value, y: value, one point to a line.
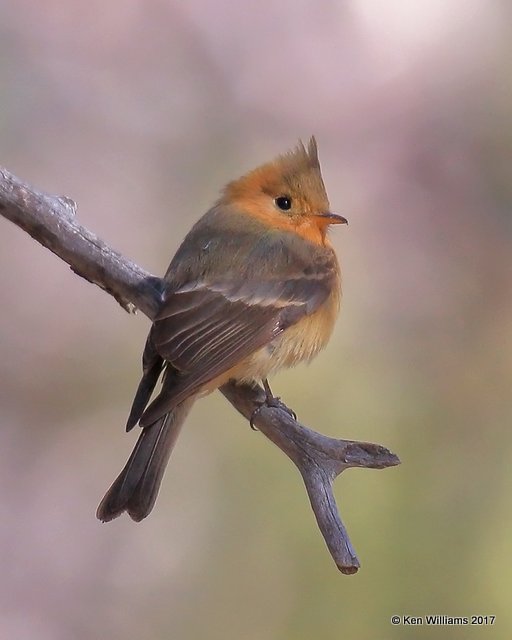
x: 300, y: 342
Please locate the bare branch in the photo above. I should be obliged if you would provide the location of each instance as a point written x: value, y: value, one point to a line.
x: 51, y: 221
x: 320, y: 460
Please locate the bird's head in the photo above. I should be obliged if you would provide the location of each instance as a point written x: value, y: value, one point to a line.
x: 288, y: 192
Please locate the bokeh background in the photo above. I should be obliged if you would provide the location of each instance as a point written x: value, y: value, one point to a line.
x: 141, y: 110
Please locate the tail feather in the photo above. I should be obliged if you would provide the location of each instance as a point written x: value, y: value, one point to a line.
x: 152, y: 366
x: 136, y: 488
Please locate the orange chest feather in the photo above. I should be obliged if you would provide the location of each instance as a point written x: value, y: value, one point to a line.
x: 300, y: 342
x: 310, y: 335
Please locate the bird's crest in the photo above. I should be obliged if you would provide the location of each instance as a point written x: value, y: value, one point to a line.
x: 296, y: 171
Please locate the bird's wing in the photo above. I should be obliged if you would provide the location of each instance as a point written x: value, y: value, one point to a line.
x: 207, y: 327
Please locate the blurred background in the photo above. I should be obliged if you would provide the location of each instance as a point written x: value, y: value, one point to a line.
x: 141, y: 111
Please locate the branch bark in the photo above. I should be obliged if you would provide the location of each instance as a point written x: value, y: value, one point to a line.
x: 51, y: 221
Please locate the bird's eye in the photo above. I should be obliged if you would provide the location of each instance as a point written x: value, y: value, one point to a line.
x: 284, y: 203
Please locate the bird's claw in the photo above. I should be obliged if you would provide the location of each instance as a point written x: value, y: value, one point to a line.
x: 253, y: 416
x: 277, y: 404
x: 274, y: 403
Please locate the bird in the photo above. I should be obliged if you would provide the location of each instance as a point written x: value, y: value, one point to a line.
x: 254, y: 287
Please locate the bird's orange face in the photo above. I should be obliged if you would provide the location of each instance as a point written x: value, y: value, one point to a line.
x: 287, y: 194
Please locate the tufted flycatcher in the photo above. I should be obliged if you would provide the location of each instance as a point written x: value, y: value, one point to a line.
x: 255, y: 286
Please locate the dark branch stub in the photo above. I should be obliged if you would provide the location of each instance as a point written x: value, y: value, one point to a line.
x: 320, y: 459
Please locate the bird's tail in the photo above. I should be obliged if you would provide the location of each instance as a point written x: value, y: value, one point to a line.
x: 136, y: 487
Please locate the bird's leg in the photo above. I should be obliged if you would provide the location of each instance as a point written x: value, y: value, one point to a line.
x: 271, y: 401
x: 275, y: 401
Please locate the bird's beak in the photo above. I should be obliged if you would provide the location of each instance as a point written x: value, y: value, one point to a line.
x: 332, y: 218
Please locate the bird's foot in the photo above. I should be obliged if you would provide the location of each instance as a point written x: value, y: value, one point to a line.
x: 270, y: 401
